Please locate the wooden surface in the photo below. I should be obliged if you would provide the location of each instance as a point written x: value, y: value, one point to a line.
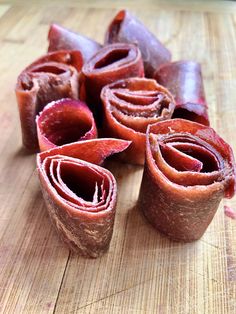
x: 143, y: 272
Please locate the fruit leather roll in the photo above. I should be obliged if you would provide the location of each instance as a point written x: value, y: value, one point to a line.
x: 49, y: 78
x: 79, y: 194
x: 61, y: 38
x: 126, y: 28
x: 110, y: 64
x: 64, y: 121
x: 188, y: 170
x: 130, y: 105
x: 184, y: 81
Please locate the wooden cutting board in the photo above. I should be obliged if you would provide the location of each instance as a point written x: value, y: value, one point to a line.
x: 143, y: 272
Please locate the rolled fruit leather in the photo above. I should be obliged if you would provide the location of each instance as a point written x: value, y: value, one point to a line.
x: 51, y: 77
x: 130, y: 105
x: 61, y: 38
x: 189, y: 168
x: 64, y: 121
x: 111, y: 63
x: 79, y: 194
x: 184, y: 80
x: 125, y: 28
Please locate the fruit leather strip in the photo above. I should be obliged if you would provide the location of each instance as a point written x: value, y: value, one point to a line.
x: 64, y: 121
x: 127, y: 29
x: 182, y: 186
x: 49, y: 78
x: 80, y: 195
x: 184, y: 81
x: 69, y: 57
x: 130, y: 105
x: 110, y: 64
x: 61, y: 38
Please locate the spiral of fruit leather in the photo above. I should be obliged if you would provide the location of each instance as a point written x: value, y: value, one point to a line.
x: 184, y: 80
x: 130, y: 105
x: 128, y: 29
x: 64, y: 121
x: 61, y: 38
x: 80, y: 195
x: 111, y: 63
x: 188, y: 170
x: 51, y: 77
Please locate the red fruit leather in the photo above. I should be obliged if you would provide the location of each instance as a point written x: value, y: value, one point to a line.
x: 64, y: 121
x: 125, y: 28
x: 184, y: 81
x: 61, y: 38
x: 80, y: 195
x: 229, y: 212
x: 110, y: 64
x: 130, y: 105
x: 184, y: 183
x: 49, y: 78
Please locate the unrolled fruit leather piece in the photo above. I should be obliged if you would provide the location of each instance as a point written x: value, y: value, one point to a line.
x: 184, y: 80
x: 188, y: 170
x: 111, y: 63
x: 51, y: 77
x: 130, y: 105
x: 61, y: 38
x: 79, y: 194
x: 128, y: 29
x: 64, y: 121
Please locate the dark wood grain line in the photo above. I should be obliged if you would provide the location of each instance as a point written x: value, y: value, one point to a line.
x: 62, y: 280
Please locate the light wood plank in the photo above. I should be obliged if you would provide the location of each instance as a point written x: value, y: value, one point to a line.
x: 143, y: 271
x: 218, y: 6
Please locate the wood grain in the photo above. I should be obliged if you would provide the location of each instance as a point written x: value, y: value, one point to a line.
x: 143, y: 272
